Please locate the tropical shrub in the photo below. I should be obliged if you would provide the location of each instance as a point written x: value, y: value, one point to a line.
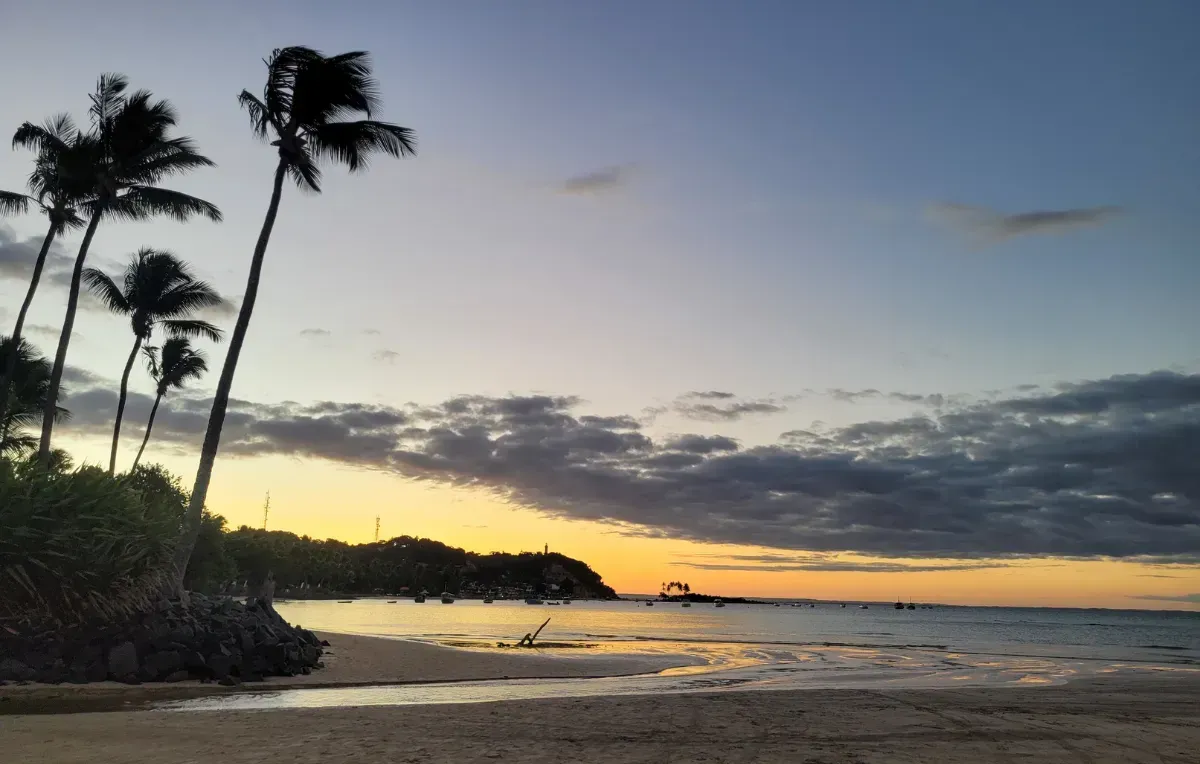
x: 79, y: 544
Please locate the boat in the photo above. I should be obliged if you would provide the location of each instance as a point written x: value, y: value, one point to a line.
x: 899, y: 605
x: 344, y: 602
x: 391, y: 602
x: 447, y: 598
x: 911, y: 606
x: 685, y: 604
x: 862, y: 607
x: 488, y: 600
x: 649, y: 603
x: 533, y: 601
x: 419, y: 598
x: 778, y: 605
x: 843, y: 604
x: 566, y: 601
x: 718, y: 603
x: 553, y: 603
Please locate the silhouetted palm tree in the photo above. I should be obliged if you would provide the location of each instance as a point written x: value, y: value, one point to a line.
x: 158, y: 289
x: 128, y: 153
x: 304, y: 103
x: 171, y: 369
x: 51, y: 190
x: 27, y: 390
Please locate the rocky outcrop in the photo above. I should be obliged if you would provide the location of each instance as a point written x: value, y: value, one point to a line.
x: 206, y: 639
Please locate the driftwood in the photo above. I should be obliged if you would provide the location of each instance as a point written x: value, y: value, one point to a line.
x: 527, y: 640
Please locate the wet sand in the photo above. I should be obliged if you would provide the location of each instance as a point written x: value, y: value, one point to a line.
x: 1149, y: 719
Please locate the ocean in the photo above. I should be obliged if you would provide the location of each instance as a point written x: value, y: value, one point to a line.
x: 749, y: 647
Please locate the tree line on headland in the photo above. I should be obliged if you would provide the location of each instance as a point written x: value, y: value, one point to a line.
x: 117, y: 539
x: 227, y: 561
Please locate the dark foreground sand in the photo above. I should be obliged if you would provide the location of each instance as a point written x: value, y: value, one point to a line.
x: 1139, y: 718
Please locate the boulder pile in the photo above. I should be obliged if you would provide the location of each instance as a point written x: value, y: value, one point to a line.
x: 207, y: 639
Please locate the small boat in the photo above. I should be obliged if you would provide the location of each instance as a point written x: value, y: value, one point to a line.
x: 344, y: 602
x: 899, y: 605
x: 862, y: 607
x: 566, y: 601
x: 391, y: 602
x: 649, y: 603
x: 911, y: 606
x: 843, y: 604
x: 447, y: 598
x: 553, y: 603
x: 778, y: 605
x: 419, y: 598
x: 718, y: 603
x: 685, y: 604
x: 812, y: 604
x: 488, y: 600
x: 533, y: 601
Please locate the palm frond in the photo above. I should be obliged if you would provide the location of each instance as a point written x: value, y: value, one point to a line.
x: 141, y: 202
x: 106, y: 290
x: 260, y: 117
x: 164, y: 158
x: 12, y: 203
x: 151, y: 353
x: 191, y: 327
x: 328, y: 89
x: 351, y: 143
x: 179, y: 364
x: 307, y: 176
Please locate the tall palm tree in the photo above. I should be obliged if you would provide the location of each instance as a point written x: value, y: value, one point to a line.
x: 128, y: 151
x: 51, y: 190
x: 304, y: 105
x: 172, y: 368
x: 28, y: 386
x: 159, y: 289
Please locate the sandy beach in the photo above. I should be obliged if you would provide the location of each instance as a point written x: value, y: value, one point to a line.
x: 1137, y: 718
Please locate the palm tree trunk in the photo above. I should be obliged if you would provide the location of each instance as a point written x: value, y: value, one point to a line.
x: 112, y: 458
x: 212, y: 437
x: 10, y: 363
x: 149, y: 426
x: 49, y: 409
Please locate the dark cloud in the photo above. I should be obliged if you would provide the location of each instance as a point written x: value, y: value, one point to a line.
x: 1193, y: 598
x: 1101, y: 469
x: 992, y: 227
x: 227, y: 308
x: 718, y: 406
x: 17, y: 257
x: 769, y: 563
x: 315, y: 332
x: 597, y: 181
x: 386, y: 356
x: 856, y: 396
x: 44, y: 330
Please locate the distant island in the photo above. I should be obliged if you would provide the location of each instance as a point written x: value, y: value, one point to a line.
x: 234, y: 562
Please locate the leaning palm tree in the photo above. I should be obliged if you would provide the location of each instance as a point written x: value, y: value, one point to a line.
x: 158, y: 289
x: 52, y: 190
x: 28, y: 386
x: 304, y: 103
x: 128, y: 152
x: 172, y: 368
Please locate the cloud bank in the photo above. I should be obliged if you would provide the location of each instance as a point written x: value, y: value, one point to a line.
x: 597, y: 181
x: 1103, y: 468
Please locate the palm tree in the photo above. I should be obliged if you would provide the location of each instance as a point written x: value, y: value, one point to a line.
x: 171, y: 369
x: 159, y: 288
x: 28, y: 386
x: 52, y: 191
x: 128, y: 152
x: 304, y: 103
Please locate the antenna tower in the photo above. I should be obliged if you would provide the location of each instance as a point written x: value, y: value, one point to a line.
x: 266, y: 510
x: 377, y: 527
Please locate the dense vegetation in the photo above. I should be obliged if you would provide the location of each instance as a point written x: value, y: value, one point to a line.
x: 306, y: 567
x: 81, y: 543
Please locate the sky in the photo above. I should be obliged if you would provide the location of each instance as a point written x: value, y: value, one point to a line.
x: 855, y: 301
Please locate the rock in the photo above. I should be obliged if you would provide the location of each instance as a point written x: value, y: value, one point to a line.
x: 163, y: 663
x: 229, y: 681
x: 96, y: 672
x: 193, y: 661
x: 324, y: 643
x: 123, y: 661
x: 178, y: 676
x: 14, y: 670
x: 220, y: 665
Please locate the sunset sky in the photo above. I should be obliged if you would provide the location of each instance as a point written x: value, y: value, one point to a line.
x: 841, y: 300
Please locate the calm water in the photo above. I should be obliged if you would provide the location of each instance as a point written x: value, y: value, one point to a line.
x: 1109, y: 634
x: 751, y: 647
